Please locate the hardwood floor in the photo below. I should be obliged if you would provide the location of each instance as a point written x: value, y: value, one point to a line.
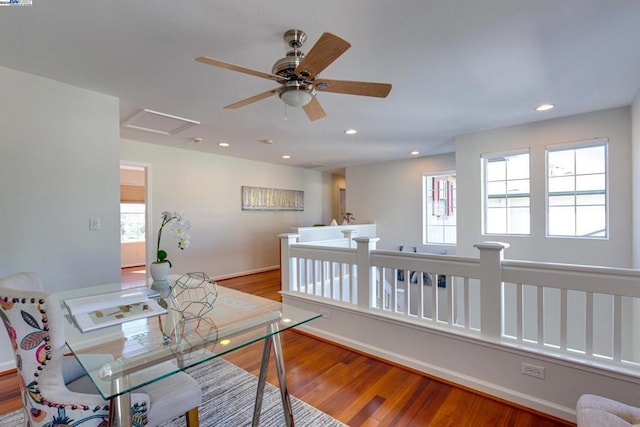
x: 354, y: 388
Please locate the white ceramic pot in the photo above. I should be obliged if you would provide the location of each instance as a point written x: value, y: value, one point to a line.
x: 159, y: 272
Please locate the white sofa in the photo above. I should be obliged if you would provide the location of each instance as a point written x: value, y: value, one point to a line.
x: 597, y: 411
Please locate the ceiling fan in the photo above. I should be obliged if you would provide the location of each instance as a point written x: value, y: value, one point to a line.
x: 297, y: 74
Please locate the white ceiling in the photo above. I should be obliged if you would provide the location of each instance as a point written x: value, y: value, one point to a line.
x: 456, y: 66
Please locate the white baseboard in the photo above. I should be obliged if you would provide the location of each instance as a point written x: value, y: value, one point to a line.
x: 246, y: 273
x: 7, y: 366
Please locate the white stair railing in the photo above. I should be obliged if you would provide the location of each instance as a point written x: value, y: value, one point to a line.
x: 576, y: 311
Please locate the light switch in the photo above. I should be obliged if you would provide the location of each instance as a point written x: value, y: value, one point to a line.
x: 94, y: 223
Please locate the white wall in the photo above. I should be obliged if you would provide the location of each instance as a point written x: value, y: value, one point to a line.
x: 635, y: 181
x: 132, y: 254
x: 59, y: 166
x: 635, y: 223
x: 390, y: 194
x: 225, y: 239
x: 613, y: 124
x: 338, y: 182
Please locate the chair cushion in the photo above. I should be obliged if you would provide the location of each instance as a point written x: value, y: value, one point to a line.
x: 171, y: 397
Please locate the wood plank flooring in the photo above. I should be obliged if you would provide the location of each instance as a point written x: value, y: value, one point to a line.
x: 351, y: 387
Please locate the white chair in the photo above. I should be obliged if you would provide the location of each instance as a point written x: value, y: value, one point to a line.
x: 598, y: 411
x: 54, y: 388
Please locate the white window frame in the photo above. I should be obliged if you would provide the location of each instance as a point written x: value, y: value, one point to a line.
x: 487, y: 158
x: 572, y: 146
x: 449, y: 210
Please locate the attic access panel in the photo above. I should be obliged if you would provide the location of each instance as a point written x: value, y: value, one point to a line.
x: 156, y: 122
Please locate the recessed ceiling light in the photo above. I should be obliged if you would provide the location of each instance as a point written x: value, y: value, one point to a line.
x: 286, y: 156
x: 267, y: 141
x: 223, y: 144
x: 414, y: 153
x: 544, y: 107
x: 350, y: 131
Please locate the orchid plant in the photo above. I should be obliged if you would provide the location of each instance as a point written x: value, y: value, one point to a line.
x: 180, y: 227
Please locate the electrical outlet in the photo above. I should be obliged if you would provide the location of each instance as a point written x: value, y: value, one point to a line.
x: 532, y: 370
x: 326, y: 314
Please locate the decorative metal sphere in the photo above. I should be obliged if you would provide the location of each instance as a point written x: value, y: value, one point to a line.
x: 195, y: 294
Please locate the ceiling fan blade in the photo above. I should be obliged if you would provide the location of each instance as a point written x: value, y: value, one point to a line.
x: 239, y: 68
x: 379, y: 90
x: 314, y: 110
x: 252, y: 99
x: 326, y: 50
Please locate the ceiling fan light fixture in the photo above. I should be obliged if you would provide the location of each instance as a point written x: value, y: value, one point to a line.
x: 296, y: 98
x: 296, y: 94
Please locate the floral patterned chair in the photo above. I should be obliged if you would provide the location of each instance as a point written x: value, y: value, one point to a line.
x: 54, y: 389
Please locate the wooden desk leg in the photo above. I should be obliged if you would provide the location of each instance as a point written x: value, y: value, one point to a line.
x: 120, y: 406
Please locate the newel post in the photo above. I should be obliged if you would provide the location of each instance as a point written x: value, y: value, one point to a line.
x: 349, y: 235
x: 287, y: 264
x: 365, y: 277
x: 491, y: 255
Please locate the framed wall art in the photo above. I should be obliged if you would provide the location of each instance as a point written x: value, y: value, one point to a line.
x: 271, y: 199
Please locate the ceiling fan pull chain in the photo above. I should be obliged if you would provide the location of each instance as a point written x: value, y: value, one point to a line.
x: 285, y: 111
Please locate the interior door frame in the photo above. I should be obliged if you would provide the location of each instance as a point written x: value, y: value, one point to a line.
x: 148, y: 217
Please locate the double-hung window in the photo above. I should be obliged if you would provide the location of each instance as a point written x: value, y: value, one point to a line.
x: 439, y: 219
x: 577, y: 190
x: 132, y: 222
x: 506, y: 193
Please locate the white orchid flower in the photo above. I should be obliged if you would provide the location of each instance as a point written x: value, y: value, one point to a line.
x: 181, y: 228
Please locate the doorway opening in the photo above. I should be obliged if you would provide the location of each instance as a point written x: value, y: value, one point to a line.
x: 133, y: 223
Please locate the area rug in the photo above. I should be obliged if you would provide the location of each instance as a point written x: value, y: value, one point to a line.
x: 228, y: 395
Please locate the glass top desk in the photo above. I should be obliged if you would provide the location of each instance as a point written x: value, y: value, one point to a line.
x: 141, y: 348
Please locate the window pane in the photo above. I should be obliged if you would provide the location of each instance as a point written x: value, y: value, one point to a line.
x: 499, y: 187
x: 450, y: 235
x: 577, y: 191
x: 519, y: 220
x: 562, y: 221
x: 518, y: 202
x: 518, y: 166
x: 507, y: 184
x: 557, y: 185
x: 436, y: 234
x: 435, y: 220
x: 590, y: 182
x: 449, y: 221
x: 496, y: 170
x: 591, y: 221
x: 590, y: 160
x: 518, y: 186
x: 590, y: 199
x: 561, y: 163
x: 561, y: 200
x: 132, y: 222
x: 440, y: 207
x: 496, y: 221
x: 497, y: 202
